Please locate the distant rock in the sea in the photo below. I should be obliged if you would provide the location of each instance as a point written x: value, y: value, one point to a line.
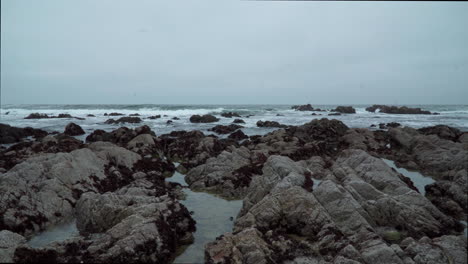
x: 307, y: 107
x: 44, y: 116
x: 175, y: 118
x: 169, y: 122
x: 238, y: 121
x: 136, y: 114
x: 90, y: 115
x: 397, y: 110
x: 126, y: 119
x: 334, y: 114
x: 154, y: 117
x: 73, y: 129
x: 113, y: 114
x: 345, y: 110
x: 230, y: 114
x: 203, y: 119
x: 222, y: 129
x: 261, y: 123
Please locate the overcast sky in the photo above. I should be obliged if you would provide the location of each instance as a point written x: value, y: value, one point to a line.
x: 233, y: 52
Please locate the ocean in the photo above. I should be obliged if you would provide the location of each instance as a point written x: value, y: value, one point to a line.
x: 451, y: 115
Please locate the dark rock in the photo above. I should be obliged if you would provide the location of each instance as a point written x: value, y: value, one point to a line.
x: 203, y: 119
x: 175, y: 118
x: 120, y: 136
x: 261, y: 123
x: 169, y: 122
x: 334, y: 114
x: 136, y: 114
x: 222, y: 129
x: 36, y: 116
x: 154, y: 117
x: 238, y: 135
x: 62, y: 116
x: 90, y: 115
x: 397, y: 110
x: 279, y: 115
x: 306, y: 107
x: 73, y: 129
x: 230, y: 114
x: 124, y: 120
x: 345, y: 110
x: 442, y: 131
x: 9, y: 134
x: 238, y: 121
x: 114, y: 114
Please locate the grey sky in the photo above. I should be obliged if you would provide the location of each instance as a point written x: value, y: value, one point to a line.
x: 217, y: 52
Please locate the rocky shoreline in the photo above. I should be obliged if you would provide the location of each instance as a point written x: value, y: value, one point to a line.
x: 313, y: 193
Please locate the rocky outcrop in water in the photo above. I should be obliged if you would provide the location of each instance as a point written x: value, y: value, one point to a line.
x: 307, y: 107
x: 203, y: 119
x: 261, y: 123
x: 126, y: 119
x: 73, y: 129
x: 43, y: 116
x: 238, y: 135
x: 230, y: 114
x: 345, y: 110
x: 238, y: 121
x: 397, y: 110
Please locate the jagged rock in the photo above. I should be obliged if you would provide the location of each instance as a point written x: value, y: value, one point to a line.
x: 133, y: 225
x: 120, y: 136
x: 397, y: 110
x: 261, y: 123
x: 73, y: 129
x: 154, y: 117
x: 203, y: 119
x: 113, y: 114
x: 222, y: 129
x: 306, y: 107
x: 192, y: 148
x: 217, y: 172
x: 42, y: 191
x: 345, y: 109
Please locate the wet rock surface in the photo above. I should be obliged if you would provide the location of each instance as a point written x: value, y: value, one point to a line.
x: 315, y: 193
x: 126, y: 119
x: 270, y: 124
x: 221, y: 129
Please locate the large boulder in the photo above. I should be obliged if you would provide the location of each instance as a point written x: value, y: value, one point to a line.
x: 43, y: 190
x: 442, y: 131
x: 131, y: 225
x: 73, y: 129
x: 203, y: 119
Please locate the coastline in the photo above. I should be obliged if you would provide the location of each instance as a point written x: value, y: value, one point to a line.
x: 317, y: 192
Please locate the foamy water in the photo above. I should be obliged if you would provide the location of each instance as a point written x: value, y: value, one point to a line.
x: 456, y: 116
